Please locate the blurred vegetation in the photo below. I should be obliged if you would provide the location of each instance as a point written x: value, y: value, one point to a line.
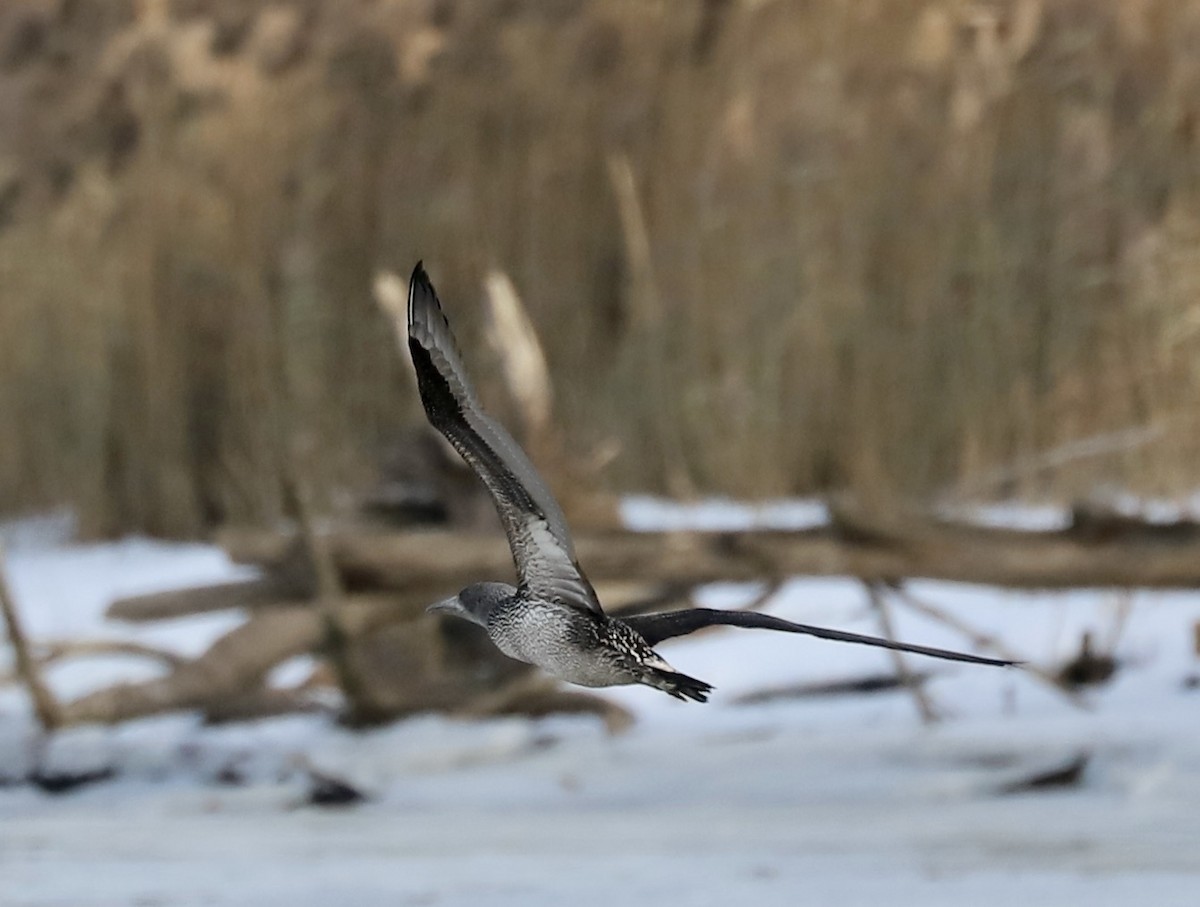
x: 770, y: 247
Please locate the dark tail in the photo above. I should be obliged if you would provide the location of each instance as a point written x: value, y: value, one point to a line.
x: 678, y: 685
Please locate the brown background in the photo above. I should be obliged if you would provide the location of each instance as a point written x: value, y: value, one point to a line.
x: 895, y: 247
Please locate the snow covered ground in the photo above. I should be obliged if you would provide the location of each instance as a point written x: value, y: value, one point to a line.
x: 845, y: 800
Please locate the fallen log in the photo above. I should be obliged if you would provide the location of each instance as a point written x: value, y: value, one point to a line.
x: 233, y: 666
x: 249, y: 594
x: 429, y: 563
x: 256, y: 594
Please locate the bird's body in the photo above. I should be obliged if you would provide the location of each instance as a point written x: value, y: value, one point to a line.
x: 578, y: 645
x: 552, y: 618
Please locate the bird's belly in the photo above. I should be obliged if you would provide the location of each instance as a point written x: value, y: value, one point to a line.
x: 561, y: 649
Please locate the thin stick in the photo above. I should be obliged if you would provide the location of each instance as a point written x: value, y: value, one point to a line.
x: 985, y: 641
x: 768, y: 592
x: 914, y: 683
x: 44, y: 704
x: 328, y: 599
x: 648, y: 312
x: 1123, y: 607
x: 1092, y: 447
x: 93, y: 648
x: 295, y: 491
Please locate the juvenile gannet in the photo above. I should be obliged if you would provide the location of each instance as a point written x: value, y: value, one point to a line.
x: 552, y: 618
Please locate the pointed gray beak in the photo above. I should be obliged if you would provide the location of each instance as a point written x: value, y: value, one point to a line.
x: 445, y: 606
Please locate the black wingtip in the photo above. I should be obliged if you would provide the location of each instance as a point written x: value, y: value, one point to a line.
x: 419, y: 284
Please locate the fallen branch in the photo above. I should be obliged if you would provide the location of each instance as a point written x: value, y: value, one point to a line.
x: 45, y: 705
x: 235, y: 665
x: 248, y: 594
x: 986, y: 641
x: 914, y: 683
x: 429, y: 562
x: 535, y: 695
x: 99, y: 648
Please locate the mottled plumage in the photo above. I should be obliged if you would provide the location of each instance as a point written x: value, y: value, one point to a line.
x: 552, y: 617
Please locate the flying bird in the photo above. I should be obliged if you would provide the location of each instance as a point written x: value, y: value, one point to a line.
x: 552, y: 617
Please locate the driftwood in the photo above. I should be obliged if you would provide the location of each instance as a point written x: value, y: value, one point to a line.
x: 249, y: 594
x: 235, y: 664
x: 433, y: 561
x: 412, y: 663
x: 51, y: 652
x: 415, y: 663
x: 257, y: 594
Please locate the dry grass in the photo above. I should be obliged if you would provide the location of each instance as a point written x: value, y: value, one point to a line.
x: 770, y: 247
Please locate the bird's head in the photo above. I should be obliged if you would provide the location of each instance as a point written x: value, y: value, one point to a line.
x: 475, y: 602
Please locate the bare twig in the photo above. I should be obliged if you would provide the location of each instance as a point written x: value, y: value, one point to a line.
x: 536, y: 695
x: 297, y: 502
x: 235, y: 665
x: 44, y: 703
x: 1122, y: 608
x: 647, y: 305
x: 1093, y: 447
x: 329, y: 598
x: 769, y: 590
x: 648, y: 312
x: 95, y: 648
x: 986, y: 641
x: 913, y: 682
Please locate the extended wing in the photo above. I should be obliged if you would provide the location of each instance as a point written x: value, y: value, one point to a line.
x: 657, y: 627
x: 534, y: 523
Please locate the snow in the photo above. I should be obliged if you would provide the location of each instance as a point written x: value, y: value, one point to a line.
x: 803, y: 801
x: 643, y: 513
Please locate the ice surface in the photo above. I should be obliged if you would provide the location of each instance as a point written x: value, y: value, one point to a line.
x: 843, y: 801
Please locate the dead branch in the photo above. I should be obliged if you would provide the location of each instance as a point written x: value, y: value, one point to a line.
x: 98, y: 648
x: 769, y: 590
x: 248, y: 594
x: 535, y: 696
x: 262, y: 703
x: 44, y: 703
x: 647, y: 304
x: 296, y: 486
x: 234, y: 665
x: 329, y: 599
x: 265, y: 593
x: 912, y: 682
x: 431, y: 561
x: 986, y: 641
x: 1093, y: 447
x: 647, y: 308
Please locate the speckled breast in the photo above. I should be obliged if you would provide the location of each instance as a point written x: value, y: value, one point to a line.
x: 563, y: 642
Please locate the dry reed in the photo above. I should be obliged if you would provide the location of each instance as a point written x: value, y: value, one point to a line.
x: 769, y: 248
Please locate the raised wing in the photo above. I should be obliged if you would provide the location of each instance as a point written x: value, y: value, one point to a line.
x: 657, y: 627
x: 534, y: 523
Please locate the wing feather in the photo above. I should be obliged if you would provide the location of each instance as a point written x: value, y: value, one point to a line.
x: 666, y: 625
x: 534, y: 523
